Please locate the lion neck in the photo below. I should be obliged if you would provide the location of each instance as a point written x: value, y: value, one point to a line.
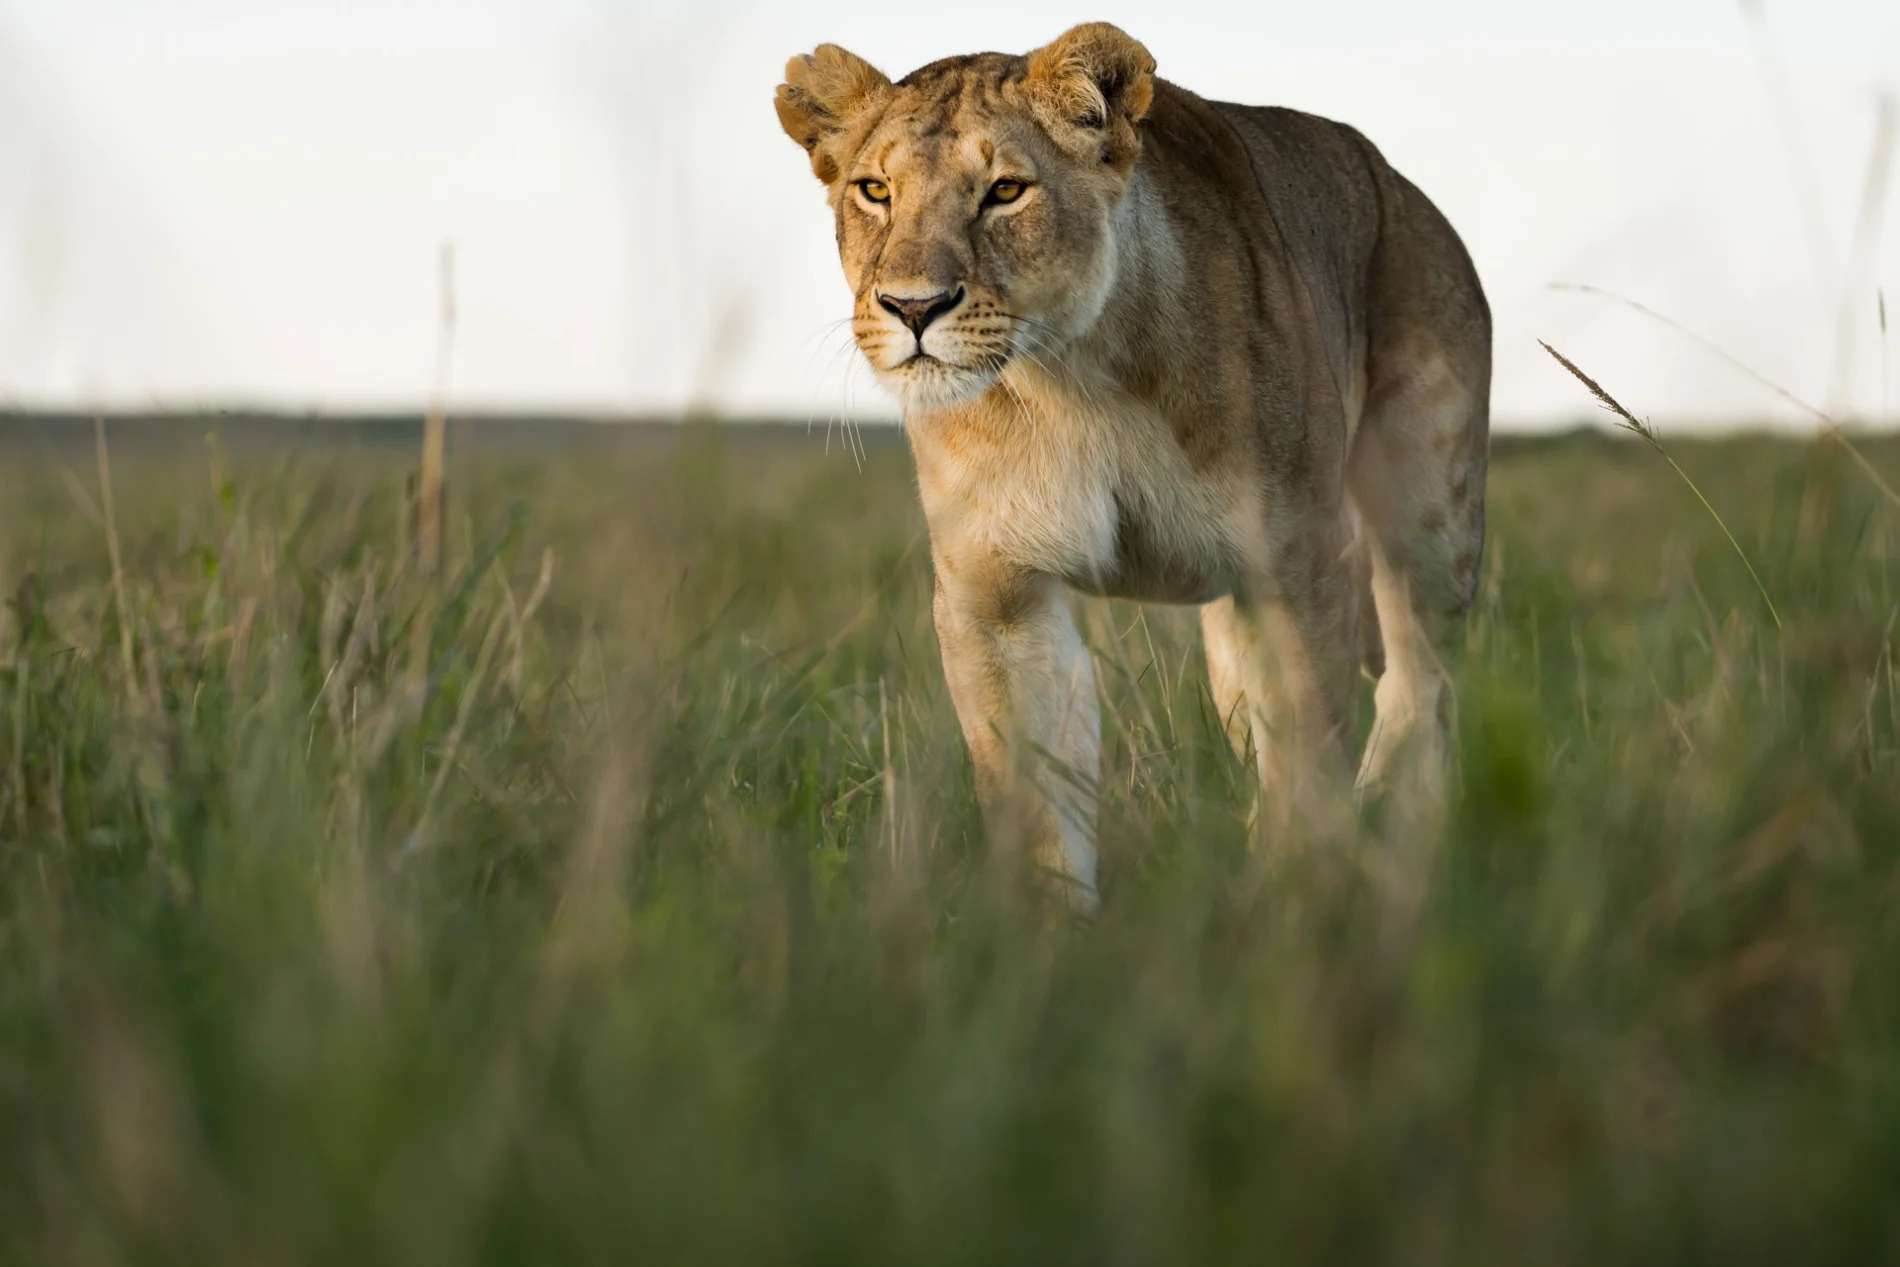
x: 1126, y: 349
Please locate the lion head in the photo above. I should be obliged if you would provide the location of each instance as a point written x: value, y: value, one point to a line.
x: 975, y: 199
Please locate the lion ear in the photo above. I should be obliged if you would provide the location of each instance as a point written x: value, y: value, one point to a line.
x: 1094, y: 76
x: 823, y: 90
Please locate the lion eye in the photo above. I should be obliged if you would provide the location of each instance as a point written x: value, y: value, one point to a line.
x: 1005, y: 191
x: 875, y: 190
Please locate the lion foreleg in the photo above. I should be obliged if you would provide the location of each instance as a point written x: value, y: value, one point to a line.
x: 1024, y: 689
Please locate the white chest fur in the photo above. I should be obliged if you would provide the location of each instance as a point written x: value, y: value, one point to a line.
x: 1097, y: 492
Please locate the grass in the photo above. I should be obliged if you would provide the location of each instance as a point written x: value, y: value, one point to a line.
x: 620, y: 896
x: 1627, y: 421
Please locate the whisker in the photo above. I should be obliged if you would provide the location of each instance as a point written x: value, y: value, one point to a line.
x: 826, y: 330
x: 1040, y: 340
x: 1022, y: 406
x: 836, y: 364
x: 833, y: 363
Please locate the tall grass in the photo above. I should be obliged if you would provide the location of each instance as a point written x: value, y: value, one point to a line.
x: 659, y: 926
x: 1646, y: 432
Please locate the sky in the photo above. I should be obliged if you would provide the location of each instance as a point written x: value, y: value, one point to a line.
x: 243, y: 202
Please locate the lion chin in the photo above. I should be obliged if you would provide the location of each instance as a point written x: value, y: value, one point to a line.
x: 925, y: 384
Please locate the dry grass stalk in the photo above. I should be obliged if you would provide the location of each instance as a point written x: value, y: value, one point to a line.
x: 429, y: 510
x: 112, y: 549
x: 1630, y: 422
x: 1863, y: 248
x: 429, y: 498
x: 1830, y: 426
x: 1798, y: 154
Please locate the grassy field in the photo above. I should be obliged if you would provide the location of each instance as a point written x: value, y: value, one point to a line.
x: 621, y: 897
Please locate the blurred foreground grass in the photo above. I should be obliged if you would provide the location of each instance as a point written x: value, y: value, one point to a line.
x: 623, y: 899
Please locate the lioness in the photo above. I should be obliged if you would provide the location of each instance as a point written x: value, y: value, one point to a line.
x: 1166, y: 349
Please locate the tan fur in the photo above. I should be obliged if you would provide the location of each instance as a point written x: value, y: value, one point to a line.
x: 1212, y: 354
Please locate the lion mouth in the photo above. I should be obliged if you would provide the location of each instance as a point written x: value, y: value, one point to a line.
x: 925, y: 381
x: 965, y: 374
x: 941, y: 384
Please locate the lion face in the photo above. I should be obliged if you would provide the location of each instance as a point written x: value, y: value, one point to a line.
x: 974, y: 200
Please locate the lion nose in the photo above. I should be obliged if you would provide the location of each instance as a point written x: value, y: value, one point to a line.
x: 919, y: 313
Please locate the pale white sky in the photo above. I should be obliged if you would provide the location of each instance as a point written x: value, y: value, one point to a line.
x: 209, y: 201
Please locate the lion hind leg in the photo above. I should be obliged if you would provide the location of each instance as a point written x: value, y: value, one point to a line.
x: 1417, y: 480
x: 1281, y: 658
